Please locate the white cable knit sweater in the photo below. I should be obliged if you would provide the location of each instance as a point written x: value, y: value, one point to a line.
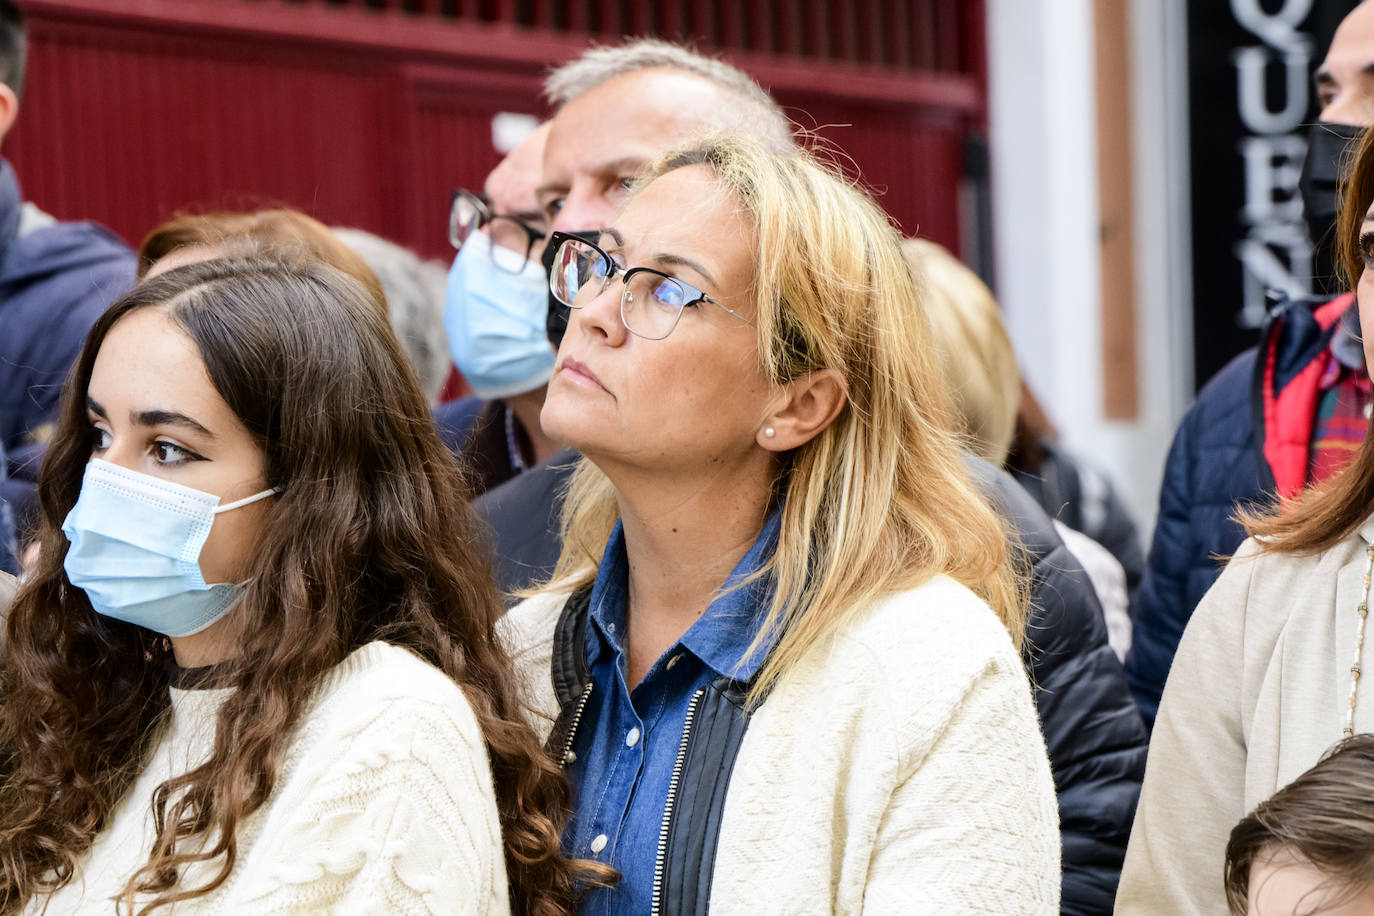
x: 900, y: 769
x: 383, y: 804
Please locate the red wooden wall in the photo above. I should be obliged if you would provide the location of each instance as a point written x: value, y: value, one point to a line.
x: 367, y: 113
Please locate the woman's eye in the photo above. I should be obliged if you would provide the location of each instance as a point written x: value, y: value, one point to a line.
x: 100, y: 439
x: 626, y: 184
x: 167, y: 453
x: 668, y: 295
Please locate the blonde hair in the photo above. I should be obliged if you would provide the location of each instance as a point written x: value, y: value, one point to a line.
x: 975, y: 354
x: 880, y: 501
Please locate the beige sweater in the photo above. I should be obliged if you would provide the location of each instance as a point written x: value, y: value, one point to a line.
x: 900, y: 769
x: 1256, y: 695
x: 383, y: 804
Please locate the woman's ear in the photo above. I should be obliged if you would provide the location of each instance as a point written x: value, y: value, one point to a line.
x: 805, y: 408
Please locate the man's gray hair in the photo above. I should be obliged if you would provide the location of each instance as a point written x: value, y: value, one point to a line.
x: 760, y: 115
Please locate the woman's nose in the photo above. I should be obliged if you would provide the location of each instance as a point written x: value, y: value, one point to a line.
x: 601, y: 315
x: 122, y: 452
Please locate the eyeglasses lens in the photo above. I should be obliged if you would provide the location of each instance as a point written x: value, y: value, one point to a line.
x: 510, y: 244
x: 578, y: 275
x: 651, y: 304
x: 463, y: 217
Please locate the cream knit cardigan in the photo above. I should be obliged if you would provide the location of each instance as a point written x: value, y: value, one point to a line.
x: 899, y: 769
x: 383, y: 804
x: 1256, y: 695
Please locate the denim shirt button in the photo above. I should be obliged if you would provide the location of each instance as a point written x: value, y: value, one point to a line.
x: 632, y: 738
x: 599, y: 843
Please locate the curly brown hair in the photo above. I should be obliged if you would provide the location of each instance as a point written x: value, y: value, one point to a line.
x: 371, y: 538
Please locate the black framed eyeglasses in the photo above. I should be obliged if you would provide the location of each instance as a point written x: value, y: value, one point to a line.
x: 513, y: 240
x: 651, y: 301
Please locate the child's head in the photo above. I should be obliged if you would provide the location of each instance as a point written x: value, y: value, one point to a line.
x: 1310, y: 848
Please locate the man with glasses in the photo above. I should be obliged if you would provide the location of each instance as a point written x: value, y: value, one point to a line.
x: 619, y: 109
x: 494, y: 315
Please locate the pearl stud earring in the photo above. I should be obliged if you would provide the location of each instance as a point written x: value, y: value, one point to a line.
x: 770, y: 432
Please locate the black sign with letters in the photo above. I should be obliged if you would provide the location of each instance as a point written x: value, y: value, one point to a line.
x: 1250, y: 101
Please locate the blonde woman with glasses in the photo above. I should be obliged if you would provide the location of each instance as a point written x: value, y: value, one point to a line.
x: 778, y: 658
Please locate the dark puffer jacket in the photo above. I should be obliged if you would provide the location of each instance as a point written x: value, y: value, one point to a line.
x: 1095, y: 737
x: 1217, y: 464
x: 56, y: 279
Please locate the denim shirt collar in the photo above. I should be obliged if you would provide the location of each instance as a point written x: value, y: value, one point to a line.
x: 721, y: 636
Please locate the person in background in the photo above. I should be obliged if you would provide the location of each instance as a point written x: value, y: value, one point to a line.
x: 414, y: 291
x: 279, y: 233
x: 1071, y: 490
x: 494, y: 313
x: 752, y: 552
x: 1281, y: 416
x: 610, y: 125
x: 56, y: 278
x: 255, y: 668
x: 1309, y: 848
x: 978, y: 363
x: 1269, y: 670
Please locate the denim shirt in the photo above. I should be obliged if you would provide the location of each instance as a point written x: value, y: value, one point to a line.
x: 627, y: 741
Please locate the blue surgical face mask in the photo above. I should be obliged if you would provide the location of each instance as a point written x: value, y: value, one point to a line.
x: 135, y: 550
x: 495, y: 322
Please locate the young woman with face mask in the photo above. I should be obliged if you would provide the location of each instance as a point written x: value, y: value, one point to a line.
x: 778, y: 653
x: 254, y: 669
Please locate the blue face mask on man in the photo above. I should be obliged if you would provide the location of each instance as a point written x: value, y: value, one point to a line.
x: 495, y: 322
x: 135, y: 550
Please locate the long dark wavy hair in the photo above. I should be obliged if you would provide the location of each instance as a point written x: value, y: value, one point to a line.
x: 371, y: 538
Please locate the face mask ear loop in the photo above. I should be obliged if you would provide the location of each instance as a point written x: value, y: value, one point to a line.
x: 247, y: 500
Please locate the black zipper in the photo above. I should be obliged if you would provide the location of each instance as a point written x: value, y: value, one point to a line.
x: 657, y: 904
x: 568, y: 756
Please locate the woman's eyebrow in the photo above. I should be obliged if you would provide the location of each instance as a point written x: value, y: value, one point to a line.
x: 152, y: 418
x: 679, y: 260
x: 167, y: 418
x: 660, y: 257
